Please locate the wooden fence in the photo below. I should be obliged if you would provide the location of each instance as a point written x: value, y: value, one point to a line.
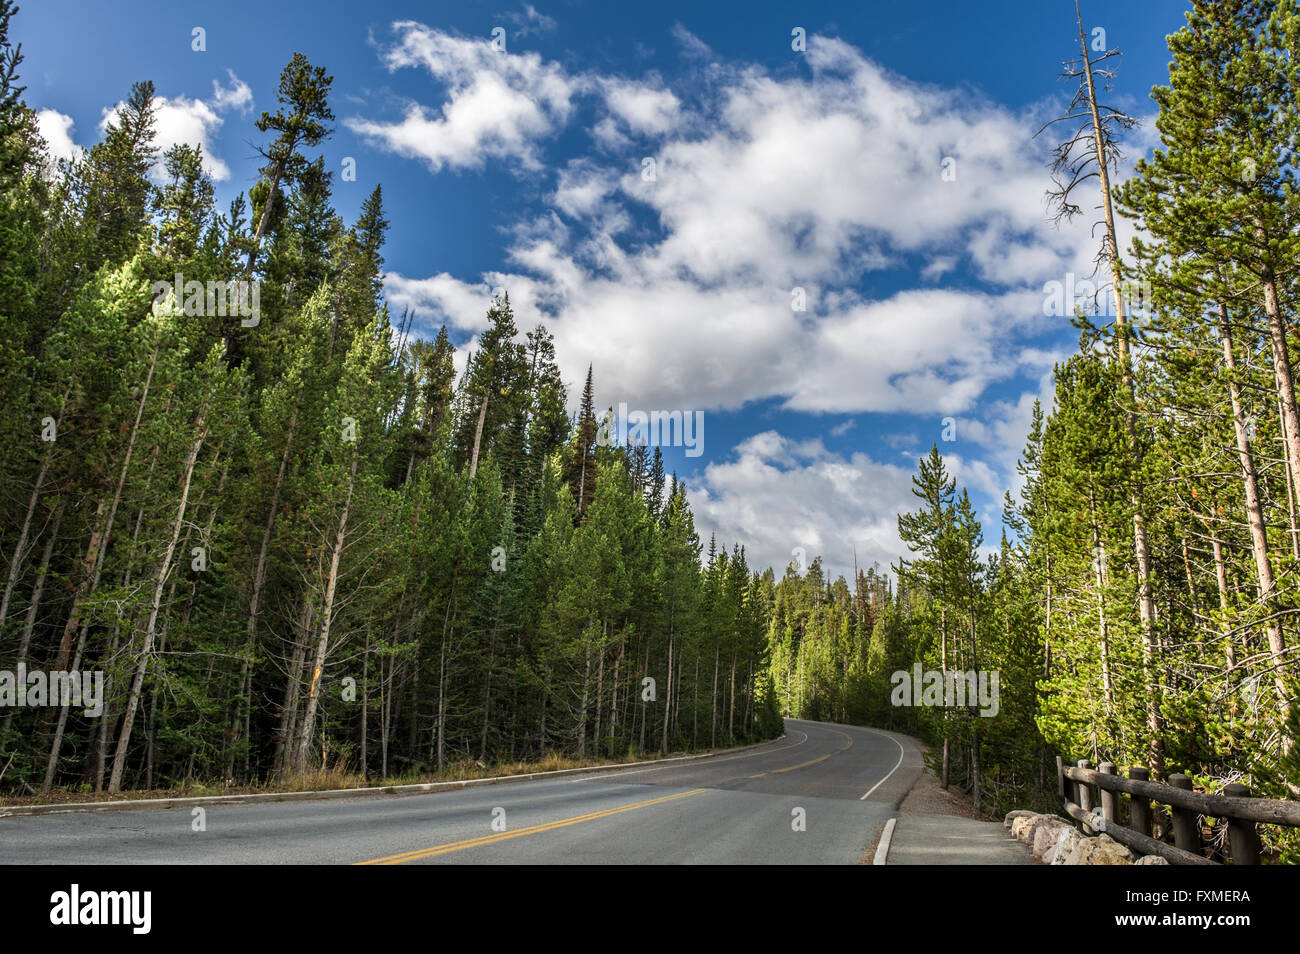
x: 1093, y: 798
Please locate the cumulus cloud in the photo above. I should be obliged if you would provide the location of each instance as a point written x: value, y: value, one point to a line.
x: 797, y: 182
x: 498, y: 103
x: 780, y: 496
x: 637, y: 109
x: 56, y: 129
x: 180, y: 119
x: 237, y: 96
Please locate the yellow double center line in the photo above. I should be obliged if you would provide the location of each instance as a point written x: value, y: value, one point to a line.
x: 848, y: 744
x: 531, y: 830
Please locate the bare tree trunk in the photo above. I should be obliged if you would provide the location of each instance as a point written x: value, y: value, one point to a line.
x: 668, y: 696
x: 1141, y: 549
x: 264, y: 220
x: 52, y: 763
x: 478, y: 437
x: 1282, y: 372
x: 1255, y: 517
x: 308, y: 728
x: 151, y: 627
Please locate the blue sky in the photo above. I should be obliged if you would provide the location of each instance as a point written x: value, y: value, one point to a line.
x: 774, y: 170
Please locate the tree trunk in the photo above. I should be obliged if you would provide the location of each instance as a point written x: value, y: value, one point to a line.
x: 478, y: 437
x: 308, y: 728
x: 668, y: 696
x: 151, y: 626
x: 1255, y: 518
x: 1141, y: 549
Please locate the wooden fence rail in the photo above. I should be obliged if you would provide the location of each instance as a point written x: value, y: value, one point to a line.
x: 1093, y: 798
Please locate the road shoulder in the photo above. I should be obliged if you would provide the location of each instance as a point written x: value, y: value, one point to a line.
x: 937, y: 826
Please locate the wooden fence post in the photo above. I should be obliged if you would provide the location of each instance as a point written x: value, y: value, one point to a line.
x: 1186, y: 834
x: 1243, y: 837
x: 1085, y: 796
x: 1061, y: 780
x: 1139, y: 807
x: 1109, y: 801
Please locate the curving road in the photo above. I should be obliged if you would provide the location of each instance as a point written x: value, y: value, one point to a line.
x: 820, y: 795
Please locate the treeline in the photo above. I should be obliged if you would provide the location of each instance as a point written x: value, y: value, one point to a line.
x: 850, y: 654
x: 288, y: 535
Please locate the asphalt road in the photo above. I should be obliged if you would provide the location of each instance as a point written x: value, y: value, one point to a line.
x: 818, y: 796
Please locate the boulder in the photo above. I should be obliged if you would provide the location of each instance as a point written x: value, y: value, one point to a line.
x: 1022, y: 828
x: 1046, y: 831
x: 1018, y: 813
x: 1102, y: 850
x: 1151, y: 860
x: 1067, y: 839
x: 1111, y: 852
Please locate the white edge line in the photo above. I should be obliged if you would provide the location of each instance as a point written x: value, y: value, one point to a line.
x: 886, y: 837
x: 901, y: 753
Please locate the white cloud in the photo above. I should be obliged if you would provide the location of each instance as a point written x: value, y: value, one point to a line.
x: 776, y: 495
x: 180, y: 119
x: 56, y: 129
x: 498, y: 102
x: 236, y: 96
x: 640, y: 108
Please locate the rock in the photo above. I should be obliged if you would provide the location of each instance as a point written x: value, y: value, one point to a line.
x: 1151, y: 860
x: 1022, y: 828
x: 1067, y: 839
x: 1102, y: 850
x: 1081, y: 853
x: 1111, y: 852
x: 1046, y: 831
x: 1018, y: 813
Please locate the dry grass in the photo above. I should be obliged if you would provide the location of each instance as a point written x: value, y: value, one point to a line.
x: 338, y: 775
